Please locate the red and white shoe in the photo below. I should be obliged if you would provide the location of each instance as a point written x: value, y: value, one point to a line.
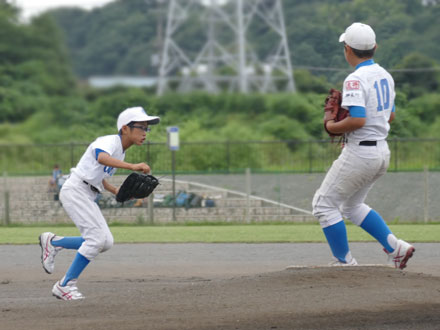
x: 48, y: 252
x: 67, y: 292
x: 401, y: 254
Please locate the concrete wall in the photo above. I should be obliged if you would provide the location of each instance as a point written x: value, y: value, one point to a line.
x: 30, y: 201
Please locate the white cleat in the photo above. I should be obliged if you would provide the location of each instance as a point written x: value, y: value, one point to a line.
x: 48, y: 252
x: 401, y: 254
x: 67, y: 292
x: 338, y: 263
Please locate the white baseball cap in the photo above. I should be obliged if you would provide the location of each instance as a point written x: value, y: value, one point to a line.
x: 135, y: 114
x: 359, y: 36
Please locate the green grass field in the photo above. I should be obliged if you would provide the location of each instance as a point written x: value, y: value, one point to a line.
x: 255, y: 233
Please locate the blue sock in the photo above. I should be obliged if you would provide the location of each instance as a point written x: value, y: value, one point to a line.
x: 72, y: 243
x: 337, y: 239
x: 374, y: 225
x: 79, y: 263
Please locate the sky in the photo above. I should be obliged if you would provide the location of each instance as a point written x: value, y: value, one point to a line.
x: 33, y: 7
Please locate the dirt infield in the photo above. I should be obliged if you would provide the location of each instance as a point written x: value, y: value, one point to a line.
x: 223, y: 286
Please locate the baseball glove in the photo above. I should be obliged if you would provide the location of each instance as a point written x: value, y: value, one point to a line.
x: 333, y: 109
x: 136, y: 185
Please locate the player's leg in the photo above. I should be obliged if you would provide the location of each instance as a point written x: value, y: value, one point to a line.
x: 48, y: 251
x: 398, y: 251
x: 368, y: 219
x: 51, y: 244
x: 100, y: 240
x: 95, y: 237
x: 334, y: 190
x: 69, y: 242
x: 371, y: 221
x: 337, y: 239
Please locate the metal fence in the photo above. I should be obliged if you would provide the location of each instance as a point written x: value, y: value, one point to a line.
x: 221, y: 157
x: 285, y: 172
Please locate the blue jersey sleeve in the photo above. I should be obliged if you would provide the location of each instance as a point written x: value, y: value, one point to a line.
x: 98, y: 151
x: 357, y: 111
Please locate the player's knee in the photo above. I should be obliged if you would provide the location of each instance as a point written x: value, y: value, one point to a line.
x: 108, y: 243
x: 348, y: 212
x: 325, y: 210
x: 356, y: 214
x: 321, y: 206
x: 100, y: 242
x: 315, y: 208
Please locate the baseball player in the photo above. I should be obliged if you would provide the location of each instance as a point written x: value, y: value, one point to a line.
x: 368, y: 94
x: 78, y: 193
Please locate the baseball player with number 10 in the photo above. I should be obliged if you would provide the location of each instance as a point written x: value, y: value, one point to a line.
x: 78, y: 195
x: 368, y: 94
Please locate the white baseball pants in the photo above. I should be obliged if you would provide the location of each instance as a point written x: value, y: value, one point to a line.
x: 347, y: 183
x: 79, y: 202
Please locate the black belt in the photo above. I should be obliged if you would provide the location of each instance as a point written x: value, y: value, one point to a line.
x: 368, y: 143
x: 93, y: 188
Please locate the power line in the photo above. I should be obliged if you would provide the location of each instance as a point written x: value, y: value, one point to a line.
x: 416, y: 70
x: 250, y: 71
x: 318, y: 68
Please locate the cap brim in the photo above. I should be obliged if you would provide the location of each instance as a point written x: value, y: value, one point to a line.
x: 151, y: 120
x: 342, y: 37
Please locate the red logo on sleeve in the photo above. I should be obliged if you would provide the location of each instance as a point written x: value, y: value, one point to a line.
x: 352, y: 85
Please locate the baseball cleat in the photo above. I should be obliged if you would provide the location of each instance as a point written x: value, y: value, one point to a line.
x: 48, y: 252
x: 67, y: 292
x: 337, y: 263
x: 401, y: 254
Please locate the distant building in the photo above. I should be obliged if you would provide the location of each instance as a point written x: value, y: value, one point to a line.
x: 111, y: 81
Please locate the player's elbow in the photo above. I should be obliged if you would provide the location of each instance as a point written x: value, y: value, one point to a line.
x: 102, y: 157
x: 392, y: 116
x: 357, y: 122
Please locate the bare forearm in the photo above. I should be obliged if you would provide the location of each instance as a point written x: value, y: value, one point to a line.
x: 349, y: 124
x: 107, y: 160
x: 109, y: 187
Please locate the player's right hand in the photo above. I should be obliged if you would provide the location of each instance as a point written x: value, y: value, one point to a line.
x: 141, y: 167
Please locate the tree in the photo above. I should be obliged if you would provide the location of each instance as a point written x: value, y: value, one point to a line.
x: 419, y: 74
x: 33, y: 65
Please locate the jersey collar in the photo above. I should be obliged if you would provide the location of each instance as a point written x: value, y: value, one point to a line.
x: 365, y: 63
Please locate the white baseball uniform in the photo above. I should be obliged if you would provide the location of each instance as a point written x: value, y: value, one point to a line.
x: 79, y: 192
x: 366, y: 155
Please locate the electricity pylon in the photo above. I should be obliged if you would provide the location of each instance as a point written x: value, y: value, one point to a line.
x: 227, y: 59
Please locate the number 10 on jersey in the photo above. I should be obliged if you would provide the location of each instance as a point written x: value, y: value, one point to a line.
x: 383, y: 94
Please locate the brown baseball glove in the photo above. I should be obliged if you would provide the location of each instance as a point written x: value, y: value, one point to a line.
x: 333, y: 109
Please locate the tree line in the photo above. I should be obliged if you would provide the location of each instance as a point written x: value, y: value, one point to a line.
x: 42, y: 99
x: 122, y: 37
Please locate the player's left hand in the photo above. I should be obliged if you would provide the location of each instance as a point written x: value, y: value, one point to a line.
x: 333, y: 110
x: 136, y: 186
x: 141, y: 167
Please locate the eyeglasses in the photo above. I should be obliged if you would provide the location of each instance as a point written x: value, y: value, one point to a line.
x: 146, y: 129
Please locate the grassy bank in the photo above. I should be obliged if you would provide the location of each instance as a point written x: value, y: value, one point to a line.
x: 282, y: 233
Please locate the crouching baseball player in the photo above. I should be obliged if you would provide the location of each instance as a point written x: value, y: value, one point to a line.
x: 368, y: 94
x: 100, y: 161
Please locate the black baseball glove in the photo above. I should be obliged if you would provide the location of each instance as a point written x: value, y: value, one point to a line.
x: 136, y: 185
